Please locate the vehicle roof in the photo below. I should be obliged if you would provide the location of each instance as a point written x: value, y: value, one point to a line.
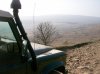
x: 5, y: 14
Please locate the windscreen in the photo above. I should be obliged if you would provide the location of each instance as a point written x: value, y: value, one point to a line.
x: 7, y: 39
x: 5, y: 31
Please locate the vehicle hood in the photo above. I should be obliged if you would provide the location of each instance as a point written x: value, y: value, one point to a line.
x: 39, y: 48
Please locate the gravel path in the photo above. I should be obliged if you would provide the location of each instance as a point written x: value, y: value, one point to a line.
x: 84, y: 60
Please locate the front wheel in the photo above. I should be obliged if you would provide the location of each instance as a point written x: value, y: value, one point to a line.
x: 57, y: 72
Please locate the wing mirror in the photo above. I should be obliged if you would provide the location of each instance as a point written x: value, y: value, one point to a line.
x: 24, y: 51
x: 25, y: 45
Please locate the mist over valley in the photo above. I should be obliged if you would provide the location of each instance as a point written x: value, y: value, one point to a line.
x: 72, y: 28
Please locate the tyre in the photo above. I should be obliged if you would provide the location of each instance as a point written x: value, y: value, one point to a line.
x: 55, y: 72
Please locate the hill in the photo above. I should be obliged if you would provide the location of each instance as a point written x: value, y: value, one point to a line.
x: 83, y: 58
x: 70, y: 19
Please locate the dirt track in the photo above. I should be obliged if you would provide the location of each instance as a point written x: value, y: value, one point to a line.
x: 84, y: 59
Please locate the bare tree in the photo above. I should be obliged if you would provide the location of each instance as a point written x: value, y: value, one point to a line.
x: 45, y: 33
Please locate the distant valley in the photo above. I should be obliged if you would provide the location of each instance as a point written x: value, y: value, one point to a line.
x: 73, y: 28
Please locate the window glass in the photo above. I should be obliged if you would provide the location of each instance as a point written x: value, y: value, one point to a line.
x: 7, y: 39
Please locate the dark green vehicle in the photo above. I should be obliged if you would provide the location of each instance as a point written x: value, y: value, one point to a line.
x: 19, y: 56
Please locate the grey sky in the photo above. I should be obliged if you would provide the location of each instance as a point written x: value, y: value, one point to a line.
x: 52, y: 7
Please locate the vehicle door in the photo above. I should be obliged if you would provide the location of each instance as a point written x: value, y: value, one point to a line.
x: 10, y: 58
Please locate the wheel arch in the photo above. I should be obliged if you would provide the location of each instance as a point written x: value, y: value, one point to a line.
x: 54, y: 66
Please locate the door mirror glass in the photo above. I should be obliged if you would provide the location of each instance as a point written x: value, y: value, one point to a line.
x: 24, y: 50
x: 25, y: 45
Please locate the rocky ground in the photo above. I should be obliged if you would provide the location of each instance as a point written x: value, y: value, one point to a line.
x: 83, y: 59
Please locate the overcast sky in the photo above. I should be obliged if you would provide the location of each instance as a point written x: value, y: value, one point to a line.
x: 52, y: 7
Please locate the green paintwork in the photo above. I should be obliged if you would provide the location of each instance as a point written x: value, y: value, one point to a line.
x: 16, y: 64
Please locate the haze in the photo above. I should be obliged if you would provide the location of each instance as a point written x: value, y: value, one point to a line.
x: 58, y: 7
